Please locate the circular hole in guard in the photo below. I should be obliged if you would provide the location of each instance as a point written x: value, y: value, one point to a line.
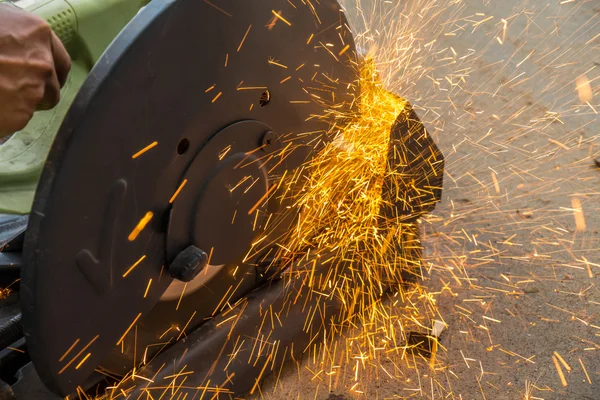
x: 183, y: 146
x: 265, y: 98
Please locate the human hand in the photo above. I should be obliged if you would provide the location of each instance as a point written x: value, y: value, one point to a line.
x: 33, y: 67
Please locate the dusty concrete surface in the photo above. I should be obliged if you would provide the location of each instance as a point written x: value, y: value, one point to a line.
x: 514, y: 277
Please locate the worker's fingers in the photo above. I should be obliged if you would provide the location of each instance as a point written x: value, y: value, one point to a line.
x: 62, y: 61
x: 51, y: 95
x: 61, y: 65
x: 22, y: 110
x: 18, y: 121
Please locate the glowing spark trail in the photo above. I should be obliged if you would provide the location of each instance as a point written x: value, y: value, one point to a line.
x: 507, y: 262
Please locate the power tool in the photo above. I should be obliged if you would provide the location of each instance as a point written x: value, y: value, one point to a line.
x: 130, y: 209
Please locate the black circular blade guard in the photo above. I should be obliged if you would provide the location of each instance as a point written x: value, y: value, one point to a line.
x: 181, y: 71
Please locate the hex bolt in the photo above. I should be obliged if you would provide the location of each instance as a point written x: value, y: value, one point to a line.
x: 188, y: 264
x: 268, y: 139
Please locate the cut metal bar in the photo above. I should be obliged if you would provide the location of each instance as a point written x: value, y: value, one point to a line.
x: 234, y: 351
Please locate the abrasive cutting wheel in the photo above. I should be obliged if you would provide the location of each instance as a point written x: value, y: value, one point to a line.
x: 164, y: 171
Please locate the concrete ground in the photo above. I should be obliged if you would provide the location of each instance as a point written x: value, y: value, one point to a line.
x: 512, y: 251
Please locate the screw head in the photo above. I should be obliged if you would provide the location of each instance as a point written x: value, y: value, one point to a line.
x: 188, y: 264
x: 268, y: 139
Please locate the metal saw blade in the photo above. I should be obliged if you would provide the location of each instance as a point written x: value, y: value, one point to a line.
x: 179, y: 73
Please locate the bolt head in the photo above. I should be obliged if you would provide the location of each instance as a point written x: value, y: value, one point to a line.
x: 188, y: 264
